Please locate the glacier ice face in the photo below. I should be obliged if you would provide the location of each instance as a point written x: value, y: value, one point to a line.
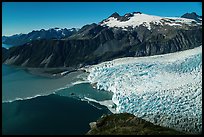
x: 163, y: 89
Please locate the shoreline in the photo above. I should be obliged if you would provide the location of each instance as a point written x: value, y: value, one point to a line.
x: 55, y: 73
x: 50, y: 72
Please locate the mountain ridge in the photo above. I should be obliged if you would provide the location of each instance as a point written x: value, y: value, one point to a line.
x: 95, y: 43
x: 52, y: 33
x: 192, y: 15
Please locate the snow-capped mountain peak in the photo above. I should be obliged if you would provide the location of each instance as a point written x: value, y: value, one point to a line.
x: 136, y: 19
x: 57, y: 29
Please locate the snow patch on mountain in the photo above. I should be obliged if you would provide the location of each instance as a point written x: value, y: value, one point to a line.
x: 146, y: 20
x: 163, y: 89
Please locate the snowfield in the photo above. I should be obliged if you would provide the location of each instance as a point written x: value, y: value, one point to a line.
x: 146, y: 21
x: 163, y: 89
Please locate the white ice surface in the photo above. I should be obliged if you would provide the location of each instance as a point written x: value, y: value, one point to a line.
x: 108, y: 103
x: 79, y: 82
x: 163, y: 89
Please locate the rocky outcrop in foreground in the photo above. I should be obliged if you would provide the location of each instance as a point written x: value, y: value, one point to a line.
x: 127, y: 124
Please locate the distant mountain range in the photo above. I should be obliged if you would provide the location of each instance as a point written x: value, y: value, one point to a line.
x: 134, y: 34
x: 53, y: 33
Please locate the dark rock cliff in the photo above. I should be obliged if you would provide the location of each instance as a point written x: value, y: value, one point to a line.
x: 4, y: 54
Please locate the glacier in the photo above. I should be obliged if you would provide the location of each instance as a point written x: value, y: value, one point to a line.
x: 163, y: 89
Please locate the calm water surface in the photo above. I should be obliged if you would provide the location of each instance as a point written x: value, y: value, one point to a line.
x: 52, y: 114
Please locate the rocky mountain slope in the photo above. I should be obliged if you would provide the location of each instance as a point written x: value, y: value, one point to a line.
x: 4, y: 54
x: 192, y: 15
x: 134, y: 34
x: 127, y: 124
x: 53, y: 33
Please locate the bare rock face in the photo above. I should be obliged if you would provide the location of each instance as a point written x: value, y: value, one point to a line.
x: 93, y: 125
x: 127, y: 124
x: 4, y: 54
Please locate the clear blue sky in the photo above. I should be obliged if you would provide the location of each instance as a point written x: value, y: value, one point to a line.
x: 23, y: 17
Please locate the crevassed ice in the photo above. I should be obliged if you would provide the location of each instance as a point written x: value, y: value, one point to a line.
x: 163, y: 89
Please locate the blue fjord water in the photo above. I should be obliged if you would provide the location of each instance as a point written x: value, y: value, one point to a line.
x: 59, y: 113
